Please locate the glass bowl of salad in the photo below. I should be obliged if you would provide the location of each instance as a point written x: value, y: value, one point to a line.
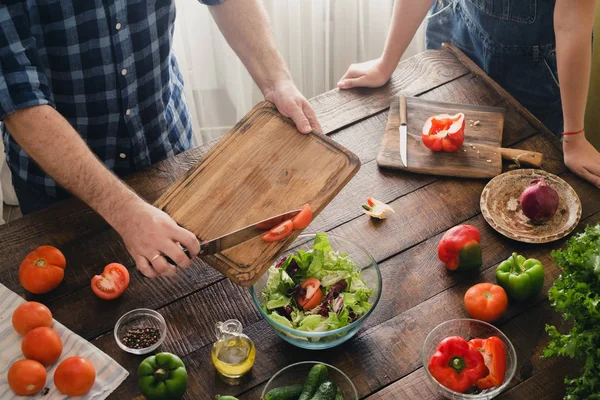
x: 320, y: 292
x: 493, y: 372
x: 289, y: 382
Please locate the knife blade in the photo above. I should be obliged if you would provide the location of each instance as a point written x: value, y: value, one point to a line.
x: 403, y: 131
x: 242, y: 235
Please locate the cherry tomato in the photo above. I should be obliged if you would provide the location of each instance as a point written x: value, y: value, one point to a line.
x: 29, y: 316
x: 313, y: 295
x: 42, y: 344
x: 112, y: 283
x: 26, y: 377
x: 486, y: 302
x: 281, y: 231
x: 74, y: 376
x: 42, y: 270
x: 303, y: 219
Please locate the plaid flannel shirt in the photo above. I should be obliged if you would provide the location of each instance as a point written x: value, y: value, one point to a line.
x: 106, y: 66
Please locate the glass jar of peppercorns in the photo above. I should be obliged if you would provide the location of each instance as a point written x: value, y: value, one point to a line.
x: 140, y: 331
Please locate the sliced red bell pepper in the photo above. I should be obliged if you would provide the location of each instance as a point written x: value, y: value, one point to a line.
x: 444, y: 132
x: 494, y: 355
x: 460, y: 249
x: 456, y: 365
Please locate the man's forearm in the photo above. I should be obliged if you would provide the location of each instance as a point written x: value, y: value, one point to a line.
x: 247, y: 29
x: 53, y: 143
x: 406, y: 19
x: 573, y: 24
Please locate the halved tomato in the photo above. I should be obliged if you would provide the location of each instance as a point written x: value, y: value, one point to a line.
x: 112, y: 283
x: 313, y: 295
x: 303, y: 219
x: 281, y: 231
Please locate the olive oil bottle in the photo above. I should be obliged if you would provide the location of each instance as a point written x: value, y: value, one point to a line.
x: 233, y: 353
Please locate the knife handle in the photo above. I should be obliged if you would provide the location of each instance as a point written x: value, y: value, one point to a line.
x: 523, y: 156
x: 402, y: 109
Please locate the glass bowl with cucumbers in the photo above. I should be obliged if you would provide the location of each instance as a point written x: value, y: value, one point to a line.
x: 309, y: 380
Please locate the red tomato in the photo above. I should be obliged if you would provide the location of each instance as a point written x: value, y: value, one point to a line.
x: 29, y: 316
x: 26, y: 377
x: 112, y: 283
x: 303, y: 219
x: 42, y: 270
x: 486, y: 302
x: 74, y: 376
x: 42, y: 344
x: 281, y: 231
x: 313, y: 295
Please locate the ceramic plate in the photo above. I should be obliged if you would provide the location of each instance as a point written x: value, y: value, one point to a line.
x: 501, y: 208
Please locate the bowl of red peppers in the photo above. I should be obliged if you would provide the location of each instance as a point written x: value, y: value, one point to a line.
x: 469, y: 359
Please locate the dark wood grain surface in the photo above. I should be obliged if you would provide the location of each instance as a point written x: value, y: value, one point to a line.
x: 384, y: 358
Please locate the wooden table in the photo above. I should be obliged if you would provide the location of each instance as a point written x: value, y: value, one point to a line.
x: 384, y: 358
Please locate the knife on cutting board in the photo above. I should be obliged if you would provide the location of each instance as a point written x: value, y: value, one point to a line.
x: 244, y: 234
x: 403, y: 131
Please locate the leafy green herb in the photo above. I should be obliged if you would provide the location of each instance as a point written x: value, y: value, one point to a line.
x: 576, y: 294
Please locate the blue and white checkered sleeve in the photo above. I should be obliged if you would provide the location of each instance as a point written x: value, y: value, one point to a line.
x: 23, y: 82
x: 212, y: 2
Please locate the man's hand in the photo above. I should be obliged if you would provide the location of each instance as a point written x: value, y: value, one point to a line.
x: 291, y: 103
x: 582, y: 158
x: 150, y: 234
x: 367, y: 74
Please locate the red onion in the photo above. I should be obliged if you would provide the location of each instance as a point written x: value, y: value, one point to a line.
x: 539, y: 201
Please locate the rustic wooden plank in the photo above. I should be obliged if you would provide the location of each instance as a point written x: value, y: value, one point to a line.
x: 475, y: 69
x: 548, y: 384
x: 407, y: 270
x: 421, y: 73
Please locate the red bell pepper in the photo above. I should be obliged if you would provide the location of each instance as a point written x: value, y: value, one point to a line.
x: 444, y: 132
x: 460, y: 249
x: 456, y: 365
x: 494, y: 355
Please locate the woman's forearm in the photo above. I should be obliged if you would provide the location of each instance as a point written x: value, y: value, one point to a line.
x: 406, y: 19
x: 573, y: 24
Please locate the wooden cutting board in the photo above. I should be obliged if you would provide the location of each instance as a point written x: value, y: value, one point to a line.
x: 480, y: 156
x: 261, y: 168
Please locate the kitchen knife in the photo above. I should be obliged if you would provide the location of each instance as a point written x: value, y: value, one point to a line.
x: 239, y: 236
x: 403, y: 130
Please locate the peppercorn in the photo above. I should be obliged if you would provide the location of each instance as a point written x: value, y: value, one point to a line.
x: 141, y: 337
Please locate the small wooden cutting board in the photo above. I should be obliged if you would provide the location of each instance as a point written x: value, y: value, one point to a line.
x: 480, y: 156
x: 261, y: 168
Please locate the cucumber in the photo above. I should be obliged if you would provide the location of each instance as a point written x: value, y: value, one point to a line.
x: 219, y: 397
x: 316, y: 376
x: 327, y: 391
x: 339, y: 395
x: 285, y: 393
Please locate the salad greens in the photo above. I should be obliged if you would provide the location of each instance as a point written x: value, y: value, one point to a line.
x: 345, y: 293
x: 576, y: 294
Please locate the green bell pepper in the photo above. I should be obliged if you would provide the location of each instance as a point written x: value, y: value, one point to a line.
x: 162, y: 377
x: 521, y: 278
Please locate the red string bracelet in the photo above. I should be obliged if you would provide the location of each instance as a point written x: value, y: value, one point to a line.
x: 572, y: 133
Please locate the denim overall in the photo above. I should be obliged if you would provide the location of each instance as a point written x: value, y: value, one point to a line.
x: 512, y: 41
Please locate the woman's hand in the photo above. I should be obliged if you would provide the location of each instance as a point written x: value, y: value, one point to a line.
x: 582, y: 158
x: 371, y: 74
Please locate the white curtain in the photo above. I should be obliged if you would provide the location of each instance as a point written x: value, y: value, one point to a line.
x: 319, y: 39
